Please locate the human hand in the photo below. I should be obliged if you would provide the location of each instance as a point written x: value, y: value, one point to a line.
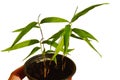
x: 18, y: 74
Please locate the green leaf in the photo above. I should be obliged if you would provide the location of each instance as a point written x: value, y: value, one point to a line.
x: 56, y: 36
x: 24, y: 31
x: 83, y: 34
x: 52, y: 20
x: 67, y: 34
x: 74, y: 36
x: 54, y: 44
x: 32, y: 52
x: 59, y: 47
x: 22, y: 44
x: 88, y: 41
x: 83, y: 12
x: 69, y: 50
x: 19, y: 30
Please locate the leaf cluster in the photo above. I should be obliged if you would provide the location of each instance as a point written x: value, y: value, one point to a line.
x: 60, y: 40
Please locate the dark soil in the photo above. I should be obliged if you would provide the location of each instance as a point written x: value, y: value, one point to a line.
x: 49, y: 70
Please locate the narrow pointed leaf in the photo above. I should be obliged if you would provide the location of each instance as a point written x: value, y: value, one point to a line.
x: 83, y: 12
x: 24, y: 31
x: 59, y: 47
x: 54, y: 44
x: 19, y: 30
x: 56, y: 36
x: 67, y: 34
x: 32, y: 52
x: 52, y: 20
x: 74, y: 36
x: 88, y: 41
x: 69, y: 50
x: 22, y: 45
x: 83, y: 33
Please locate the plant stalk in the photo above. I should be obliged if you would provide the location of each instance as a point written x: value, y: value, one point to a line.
x: 42, y: 49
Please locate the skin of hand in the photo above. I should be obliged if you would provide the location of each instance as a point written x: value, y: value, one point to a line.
x: 17, y: 74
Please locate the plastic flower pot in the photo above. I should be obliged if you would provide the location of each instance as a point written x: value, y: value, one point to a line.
x: 43, y: 68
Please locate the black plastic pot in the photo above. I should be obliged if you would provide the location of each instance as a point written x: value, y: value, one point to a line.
x: 36, y: 69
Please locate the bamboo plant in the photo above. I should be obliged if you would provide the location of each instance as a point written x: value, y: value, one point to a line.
x: 60, y: 40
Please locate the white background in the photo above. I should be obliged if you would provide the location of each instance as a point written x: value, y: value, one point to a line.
x: 102, y: 22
